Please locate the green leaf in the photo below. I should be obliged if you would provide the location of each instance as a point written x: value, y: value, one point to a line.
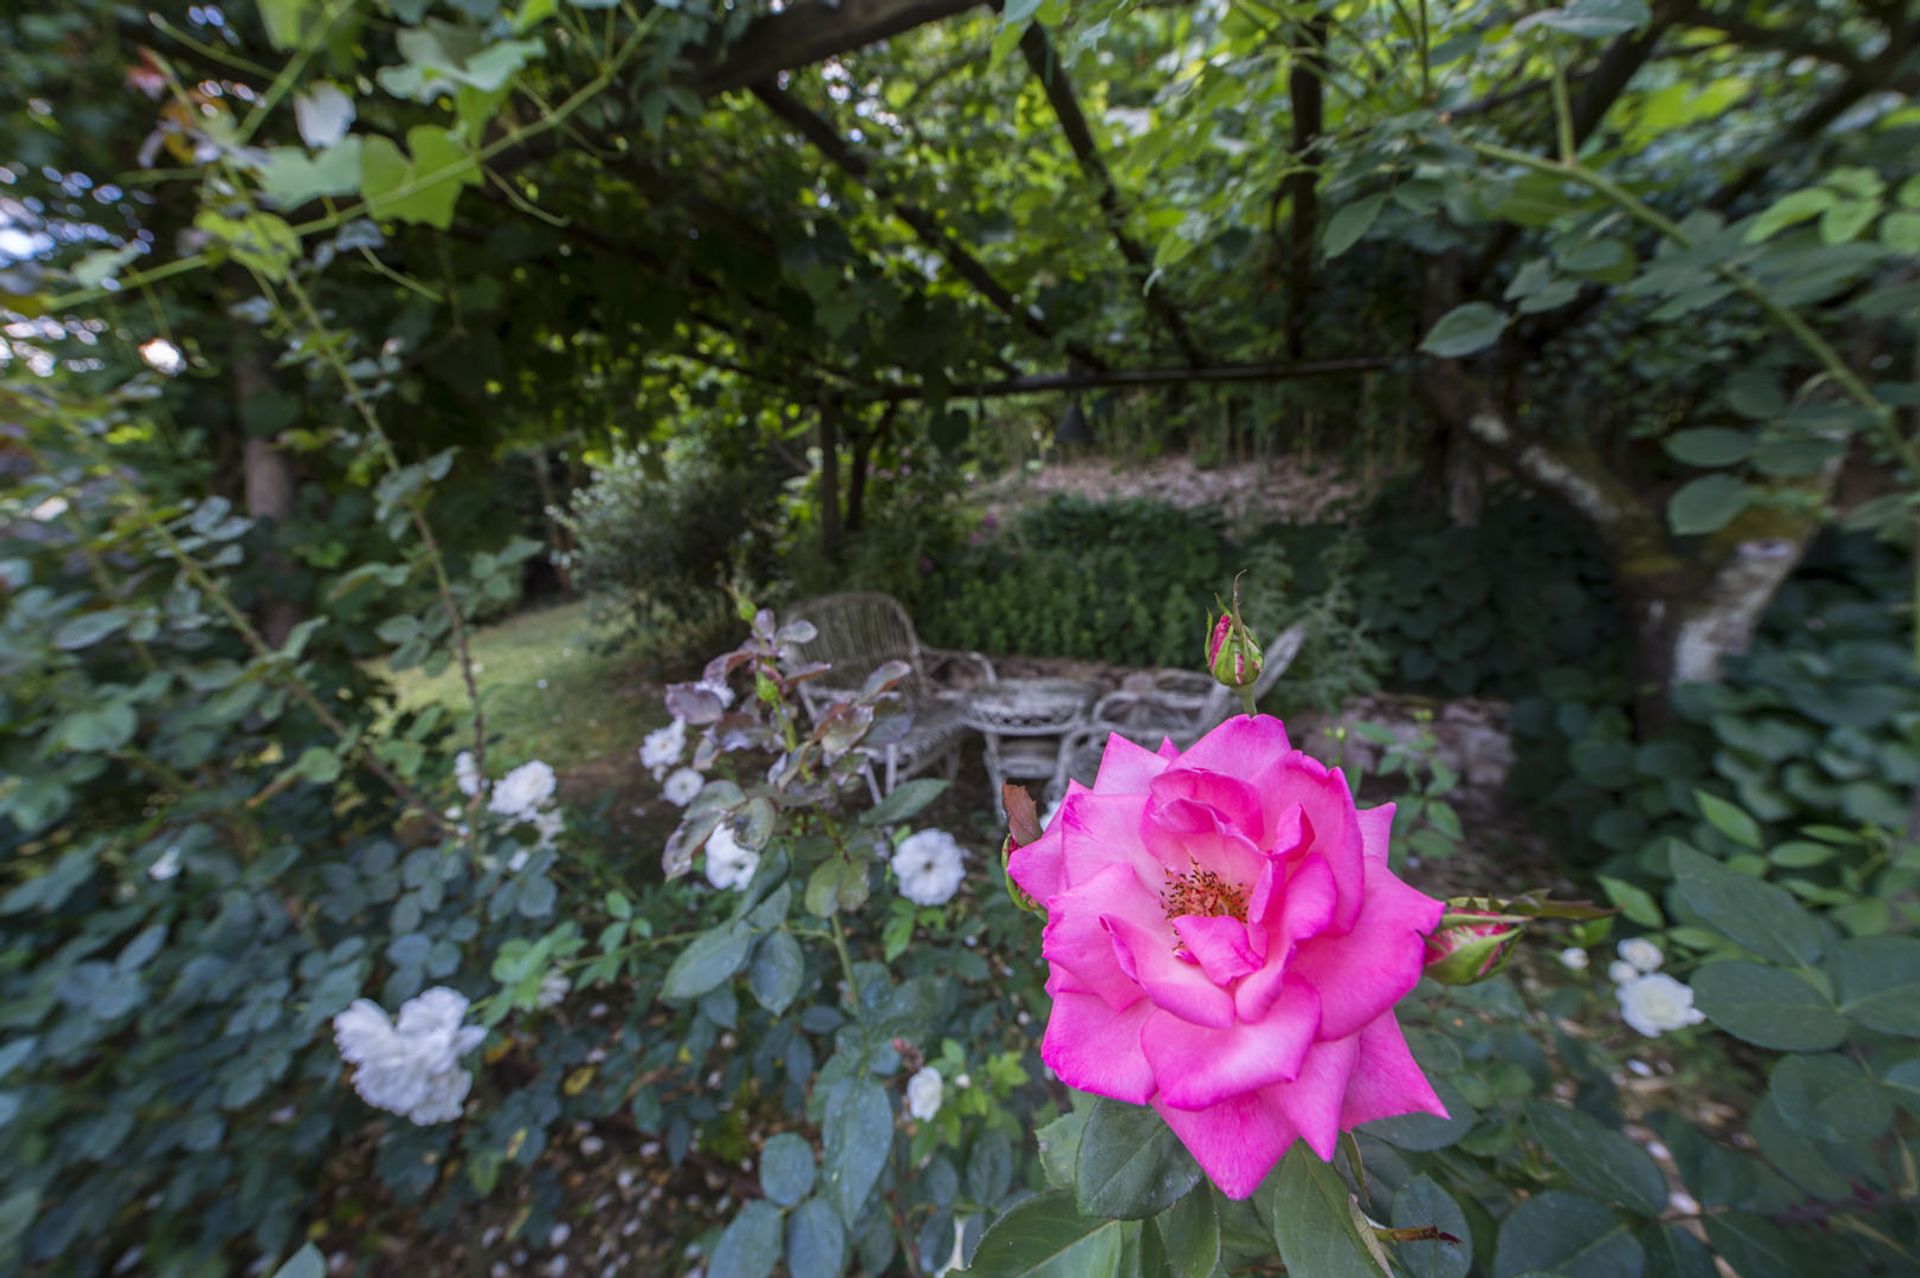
x: 1903, y: 1083
x: 1845, y: 219
x: 1728, y: 818
x: 1060, y: 1148
x: 305, y: 1263
x: 990, y: 1167
x: 1706, y: 504
x: 1900, y: 231
x: 1131, y: 1165
x: 1597, y: 19
x: 88, y: 628
x: 1599, y: 1160
x: 905, y: 801
x: 1673, y: 1252
x: 1877, y: 979
x: 751, y: 1245
x: 1709, y: 446
x: 319, y: 765
x: 1305, y: 1206
x: 1190, y: 1232
x: 1788, y: 210
x: 777, y: 971
x: 786, y: 1169
x: 1567, y: 1235
x: 1464, y: 330
x: 858, y: 1133
x: 290, y: 177
x: 1767, y: 1007
x: 422, y: 187
x: 1349, y: 224
x: 1760, y: 916
x: 708, y: 963
x: 105, y: 729
x: 1422, y: 1204
x: 1829, y: 1098
x: 1045, y: 1237
x: 1757, y: 1248
x: 816, y: 1241
x: 285, y: 20
x: 1637, y: 904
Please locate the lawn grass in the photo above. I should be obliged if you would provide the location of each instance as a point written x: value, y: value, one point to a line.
x: 548, y: 694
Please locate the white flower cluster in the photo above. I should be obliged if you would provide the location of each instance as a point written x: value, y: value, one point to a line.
x: 662, y: 748
x: 924, y: 1092
x: 929, y: 865
x: 411, y: 1065
x: 729, y: 865
x: 524, y: 795
x: 1650, y: 1001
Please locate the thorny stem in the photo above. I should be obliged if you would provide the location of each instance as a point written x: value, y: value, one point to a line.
x: 435, y: 558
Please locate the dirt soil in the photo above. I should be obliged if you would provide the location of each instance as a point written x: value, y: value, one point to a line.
x: 1281, y: 490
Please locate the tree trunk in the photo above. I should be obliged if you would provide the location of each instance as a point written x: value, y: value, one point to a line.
x: 1304, y: 89
x: 559, y: 540
x: 1687, y: 613
x: 267, y: 476
x: 830, y: 481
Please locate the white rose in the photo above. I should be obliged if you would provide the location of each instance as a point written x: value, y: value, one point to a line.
x: 523, y: 791
x: 929, y: 867
x: 466, y: 774
x: 1620, y: 972
x: 729, y: 865
x: 681, y: 785
x: 923, y: 1094
x: 1574, y: 958
x: 410, y: 1066
x: 1655, y: 1004
x: 663, y: 747
x: 1642, y: 953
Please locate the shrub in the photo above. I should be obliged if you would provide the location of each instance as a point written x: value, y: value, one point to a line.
x: 1123, y: 582
x: 657, y: 540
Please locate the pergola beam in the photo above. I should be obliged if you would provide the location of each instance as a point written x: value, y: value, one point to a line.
x: 813, y: 31
x: 1052, y: 74
x: 1042, y: 383
x: 816, y: 129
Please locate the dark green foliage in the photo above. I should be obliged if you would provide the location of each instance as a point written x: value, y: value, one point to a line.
x: 1124, y: 582
x: 1430, y: 607
x: 1815, y: 726
x: 1481, y: 611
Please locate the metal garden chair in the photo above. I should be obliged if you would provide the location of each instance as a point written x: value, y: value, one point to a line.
x: 859, y: 631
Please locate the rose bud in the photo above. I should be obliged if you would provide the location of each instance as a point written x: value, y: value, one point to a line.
x: 1233, y: 654
x: 1471, y: 946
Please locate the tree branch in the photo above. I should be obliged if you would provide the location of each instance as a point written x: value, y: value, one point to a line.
x: 812, y: 31
x: 1052, y: 75
x: 817, y: 130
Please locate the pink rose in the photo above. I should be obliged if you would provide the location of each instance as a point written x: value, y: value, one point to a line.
x: 1226, y: 944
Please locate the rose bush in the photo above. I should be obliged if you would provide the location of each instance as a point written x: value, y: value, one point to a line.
x: 1226, y: 943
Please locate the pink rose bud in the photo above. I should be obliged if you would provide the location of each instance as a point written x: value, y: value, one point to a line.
x: 1471, y: 946
x: 1233, y: 655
